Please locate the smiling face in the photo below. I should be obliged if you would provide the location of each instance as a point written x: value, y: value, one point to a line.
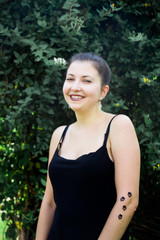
x: 82, y: 88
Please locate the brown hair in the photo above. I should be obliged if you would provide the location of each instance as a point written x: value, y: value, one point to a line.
x: 98, y: 62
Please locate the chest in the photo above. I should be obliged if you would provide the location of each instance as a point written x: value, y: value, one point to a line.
x: 76, y: 145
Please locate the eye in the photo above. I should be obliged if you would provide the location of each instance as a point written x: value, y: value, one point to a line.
x: 69, y: 79
x: 87, y: 81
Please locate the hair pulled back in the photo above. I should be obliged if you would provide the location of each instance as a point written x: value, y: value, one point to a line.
x: 98, y: 62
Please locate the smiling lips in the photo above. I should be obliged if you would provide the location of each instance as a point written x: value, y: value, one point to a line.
x: 76, y: 97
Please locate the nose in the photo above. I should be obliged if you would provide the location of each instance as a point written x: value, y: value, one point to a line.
x: 76, y: 85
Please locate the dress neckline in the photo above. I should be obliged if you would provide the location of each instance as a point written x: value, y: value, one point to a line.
x: 81, y: 156
x: 86, y: 154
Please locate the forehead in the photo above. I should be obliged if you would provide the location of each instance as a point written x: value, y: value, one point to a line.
x: 82, y: 68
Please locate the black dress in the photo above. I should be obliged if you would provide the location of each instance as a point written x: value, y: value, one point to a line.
x: 84, y: 193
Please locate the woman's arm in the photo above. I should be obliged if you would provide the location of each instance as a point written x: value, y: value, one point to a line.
x: 46, y: 213
x: 126, y: 155
x: 48, y: 205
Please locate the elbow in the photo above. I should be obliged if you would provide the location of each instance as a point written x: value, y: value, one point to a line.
x: 130, y: 205
x: 133, y: 205
x: 48, y: 202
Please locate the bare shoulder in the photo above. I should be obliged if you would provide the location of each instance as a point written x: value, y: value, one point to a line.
x: 57, y: 135
x: 122, y: 122
x: 124, y: 141
x: 55, y: 140
x: 122, y: 130
x: 58, y: 132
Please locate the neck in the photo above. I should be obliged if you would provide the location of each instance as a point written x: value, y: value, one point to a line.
x: 89, y: 118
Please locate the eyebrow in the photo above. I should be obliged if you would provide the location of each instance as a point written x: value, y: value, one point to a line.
x: 84, y: 76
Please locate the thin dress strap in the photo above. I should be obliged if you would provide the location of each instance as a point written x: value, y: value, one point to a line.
x: 107, y: 131
x: 62, y: 138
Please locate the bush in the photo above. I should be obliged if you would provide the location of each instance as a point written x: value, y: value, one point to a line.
x: 37, y: 38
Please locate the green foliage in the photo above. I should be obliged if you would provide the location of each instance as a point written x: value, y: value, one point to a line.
x: 37, y: 38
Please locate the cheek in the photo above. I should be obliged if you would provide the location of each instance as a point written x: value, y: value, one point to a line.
x: 64, y: 89
x: 96, y: 92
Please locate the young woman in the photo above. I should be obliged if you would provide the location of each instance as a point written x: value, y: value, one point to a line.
x: 94, y: 164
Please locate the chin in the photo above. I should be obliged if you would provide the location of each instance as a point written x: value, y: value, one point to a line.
x: 76, y: 109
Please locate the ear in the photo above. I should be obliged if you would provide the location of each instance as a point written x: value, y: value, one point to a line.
x: 105, y: 90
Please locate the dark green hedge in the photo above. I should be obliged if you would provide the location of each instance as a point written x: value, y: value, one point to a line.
x: 37, y: 38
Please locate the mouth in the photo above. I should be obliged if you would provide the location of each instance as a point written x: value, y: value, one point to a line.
x: 76, y: 97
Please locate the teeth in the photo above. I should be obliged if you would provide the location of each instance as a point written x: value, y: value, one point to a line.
x: 76, y: 97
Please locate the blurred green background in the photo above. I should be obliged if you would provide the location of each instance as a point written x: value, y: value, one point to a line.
x: 36, y: 40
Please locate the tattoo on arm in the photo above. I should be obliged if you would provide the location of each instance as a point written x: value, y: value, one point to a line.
x: 120, y: 216
x: 122, y: 198
x: 124, y: 207
x: 129, y: 194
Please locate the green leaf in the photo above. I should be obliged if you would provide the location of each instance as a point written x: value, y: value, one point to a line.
x: 21, y: 101
x: 51, y: 111
x: 43, y: 159
x: 29, y: 90
x: 16, y: 54
x: 43, y: 182
x: 43, y: 171
x: 42, y: 23
x: 37, y: 92
x: 147, y: 119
